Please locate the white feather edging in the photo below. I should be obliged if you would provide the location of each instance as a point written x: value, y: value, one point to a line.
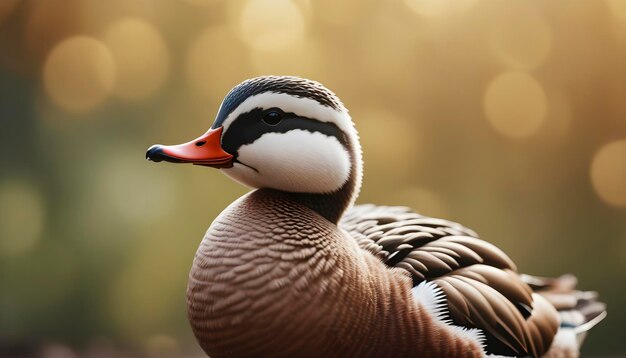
x: 431, y: 297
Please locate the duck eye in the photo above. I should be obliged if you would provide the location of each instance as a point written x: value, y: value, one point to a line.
x: 272, y: 117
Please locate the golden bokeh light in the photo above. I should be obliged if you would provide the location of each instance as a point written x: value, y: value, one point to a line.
x: 617, y: 8
x: 463, y: 107
x: 521, y: 37
x: 340, y: 13
x: 201, y: 2
x: 437, y: 8
x: 397, y: 56
x: 558, y: 117
x: 383, y: 135
x: 47, y: 23
x: 302, y: 59
x: 608, y: 173
x: 22, y: 217
x: 79, y: 73
x: 141, y: 57
x: 97, y: 15
x: 515, y: 104
x: 271, y: 25
x: 6, y: 8
x: 422, y: 200
x: 215, y: 60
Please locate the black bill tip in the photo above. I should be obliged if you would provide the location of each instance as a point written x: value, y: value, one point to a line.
x: 155, y: 153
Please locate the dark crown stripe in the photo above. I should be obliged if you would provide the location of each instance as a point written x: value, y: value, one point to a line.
x: 293, y: 86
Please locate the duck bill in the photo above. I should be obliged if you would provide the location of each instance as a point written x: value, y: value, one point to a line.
x: 205, y: 150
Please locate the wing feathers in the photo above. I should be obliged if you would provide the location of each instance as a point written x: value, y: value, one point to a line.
x: 481, y: 285
x: 578, y: 309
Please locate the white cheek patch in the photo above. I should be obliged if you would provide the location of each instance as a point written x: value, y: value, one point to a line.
x: 297, y: 161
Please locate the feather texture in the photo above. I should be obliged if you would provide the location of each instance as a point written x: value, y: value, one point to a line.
x: 481, y: 285
x: 274, y: 278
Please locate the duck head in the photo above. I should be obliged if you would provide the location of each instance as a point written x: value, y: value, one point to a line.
x: 279, y: 132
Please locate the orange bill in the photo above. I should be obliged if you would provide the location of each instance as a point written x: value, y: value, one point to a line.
x: 205, y: 150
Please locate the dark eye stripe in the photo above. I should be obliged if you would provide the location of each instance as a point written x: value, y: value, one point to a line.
x: 272, y: 117
x: 249, y: 127
x: 297, y: 87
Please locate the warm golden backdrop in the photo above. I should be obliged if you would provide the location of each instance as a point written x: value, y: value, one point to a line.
x: 507, y: 116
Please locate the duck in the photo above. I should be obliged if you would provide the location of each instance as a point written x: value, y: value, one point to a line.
x: 294, y: 268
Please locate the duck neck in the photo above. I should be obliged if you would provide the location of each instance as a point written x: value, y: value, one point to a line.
x: 332, y: 205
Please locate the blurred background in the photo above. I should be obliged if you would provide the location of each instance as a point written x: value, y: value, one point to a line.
x: 507, y: 116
